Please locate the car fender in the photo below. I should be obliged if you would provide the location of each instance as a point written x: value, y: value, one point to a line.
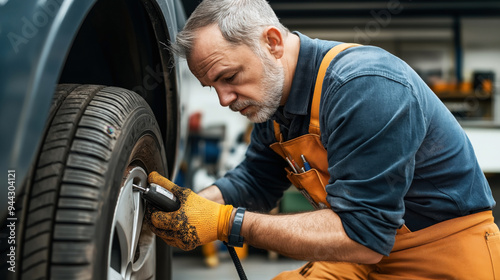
x: 35, y: 39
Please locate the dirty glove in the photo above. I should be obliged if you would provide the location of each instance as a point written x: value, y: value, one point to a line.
x: 198, y: 221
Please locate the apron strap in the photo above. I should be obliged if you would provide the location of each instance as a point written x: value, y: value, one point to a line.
x: 327, y: 59
x: 277, y: 131
x: 330, y: 55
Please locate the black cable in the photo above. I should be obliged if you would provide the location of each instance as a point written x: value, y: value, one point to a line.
x: 236, y: 261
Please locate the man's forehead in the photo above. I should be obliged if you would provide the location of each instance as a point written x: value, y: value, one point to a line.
x: 209, y: 48
x: 207, y: 40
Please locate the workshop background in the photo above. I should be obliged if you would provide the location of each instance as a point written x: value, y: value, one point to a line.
x: 453, y: 45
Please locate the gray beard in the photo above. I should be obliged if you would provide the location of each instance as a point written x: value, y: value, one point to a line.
x: 272, y: 85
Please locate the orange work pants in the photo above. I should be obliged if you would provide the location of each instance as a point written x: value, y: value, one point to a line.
x: 461, y: 248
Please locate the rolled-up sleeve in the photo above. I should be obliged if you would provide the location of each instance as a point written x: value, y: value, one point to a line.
x: 374, y: 127
x: 259, y: 181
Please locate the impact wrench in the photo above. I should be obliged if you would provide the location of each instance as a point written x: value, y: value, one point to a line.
x: 166, y: 201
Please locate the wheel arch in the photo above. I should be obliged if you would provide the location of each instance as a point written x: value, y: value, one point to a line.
x: 123, y: 43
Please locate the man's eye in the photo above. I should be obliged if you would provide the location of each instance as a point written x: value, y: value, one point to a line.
x: 230, y: 79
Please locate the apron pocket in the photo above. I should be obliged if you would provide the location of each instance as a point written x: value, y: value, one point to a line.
x: 309, y: 183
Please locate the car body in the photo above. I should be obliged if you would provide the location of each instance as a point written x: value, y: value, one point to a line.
x: 117, y: 43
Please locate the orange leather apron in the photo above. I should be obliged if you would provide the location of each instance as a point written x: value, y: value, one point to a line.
x: 462, y: 248
x: 311, y: 183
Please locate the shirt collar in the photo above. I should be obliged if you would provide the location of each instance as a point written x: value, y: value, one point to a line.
x: 311, y: 53
x: 303, y: 79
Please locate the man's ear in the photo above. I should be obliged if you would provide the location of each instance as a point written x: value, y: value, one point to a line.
x: 273, y: 40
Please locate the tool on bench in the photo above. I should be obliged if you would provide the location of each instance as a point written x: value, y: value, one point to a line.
x: 166, y: 201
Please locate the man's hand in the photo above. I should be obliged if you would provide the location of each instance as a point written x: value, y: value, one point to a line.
x: 198, y: 220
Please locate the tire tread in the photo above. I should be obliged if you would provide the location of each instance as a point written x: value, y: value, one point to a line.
x: 69, y: 103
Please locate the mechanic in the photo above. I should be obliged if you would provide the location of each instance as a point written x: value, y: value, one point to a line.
x: 397, y: 187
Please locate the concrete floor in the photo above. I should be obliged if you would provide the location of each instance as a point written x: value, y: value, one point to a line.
x: 255, y: 267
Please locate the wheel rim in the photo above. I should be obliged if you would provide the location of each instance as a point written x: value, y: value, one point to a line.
x: 132, y: 246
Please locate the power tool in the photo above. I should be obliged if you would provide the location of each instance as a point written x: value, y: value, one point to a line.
x: 159, y: 197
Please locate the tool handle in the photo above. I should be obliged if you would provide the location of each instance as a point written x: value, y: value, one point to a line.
x: 161, y: 198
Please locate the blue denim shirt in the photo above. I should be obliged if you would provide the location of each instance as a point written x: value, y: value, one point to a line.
x: 396, y: 155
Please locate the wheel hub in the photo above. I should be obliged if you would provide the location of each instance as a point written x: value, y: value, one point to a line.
x: 132, y: 246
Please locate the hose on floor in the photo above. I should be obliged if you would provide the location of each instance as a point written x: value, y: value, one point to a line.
x: 236, y: 261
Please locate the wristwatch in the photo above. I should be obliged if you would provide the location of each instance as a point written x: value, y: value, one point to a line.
x: 235, y: 239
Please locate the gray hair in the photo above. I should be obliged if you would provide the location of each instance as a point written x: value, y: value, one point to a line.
x: 240, y: 22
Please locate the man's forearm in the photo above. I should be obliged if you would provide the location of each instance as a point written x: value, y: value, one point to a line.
x: 212, y: 193
x: 317, y: 235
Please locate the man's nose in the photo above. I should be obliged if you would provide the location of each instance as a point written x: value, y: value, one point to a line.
x: 226, y: 96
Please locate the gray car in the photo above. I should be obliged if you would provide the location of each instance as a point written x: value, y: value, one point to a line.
x: 91, y: 101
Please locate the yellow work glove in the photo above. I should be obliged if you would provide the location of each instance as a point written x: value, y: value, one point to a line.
x: 198, y: 221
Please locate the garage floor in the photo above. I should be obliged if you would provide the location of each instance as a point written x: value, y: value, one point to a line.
x: 255, y: 266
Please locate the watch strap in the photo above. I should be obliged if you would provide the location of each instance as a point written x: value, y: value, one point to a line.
x: 235, y: 239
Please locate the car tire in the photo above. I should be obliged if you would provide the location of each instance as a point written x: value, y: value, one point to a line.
x: 83, y: 220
